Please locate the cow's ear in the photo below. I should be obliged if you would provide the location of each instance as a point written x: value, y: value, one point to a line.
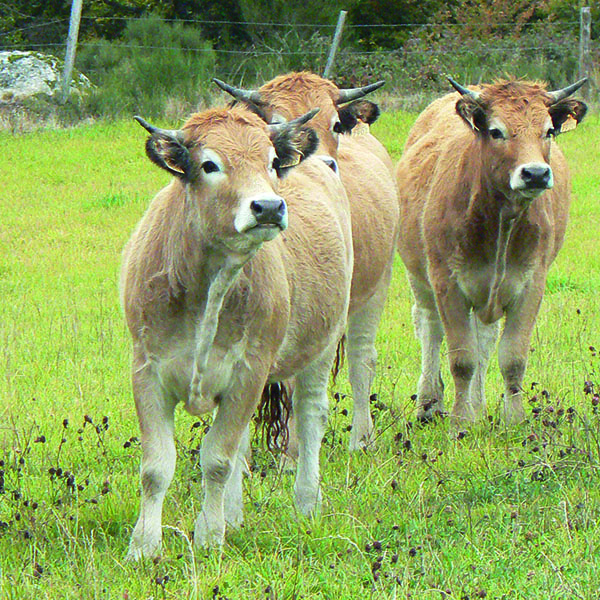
x: 472, y: 113
x: 567, y: 114
x: 363, y: 110
x: 166, y: 149
x: 293, y: 144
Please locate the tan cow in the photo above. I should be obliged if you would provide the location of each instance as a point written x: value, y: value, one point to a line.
x: 232, y: 280
x: 484, y: 200
x: 369, y: 183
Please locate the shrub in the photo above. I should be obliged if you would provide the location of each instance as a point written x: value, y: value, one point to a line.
x: 421, y: 65
x: 154, y: 65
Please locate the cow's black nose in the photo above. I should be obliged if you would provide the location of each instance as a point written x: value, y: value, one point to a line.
x: 268, y: 211
x: 536, y: 176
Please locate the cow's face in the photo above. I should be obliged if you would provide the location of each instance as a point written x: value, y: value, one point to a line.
x: 230, y: 163
x: 286, y: 97
x: 293, y: 94
x: 516, y: 123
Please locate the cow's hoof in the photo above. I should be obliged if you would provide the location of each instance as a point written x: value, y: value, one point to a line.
x: 208, y: 535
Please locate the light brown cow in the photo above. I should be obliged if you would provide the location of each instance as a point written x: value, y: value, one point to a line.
x: 484, y: 200
x: 371, y: 189
x: 232, y: 280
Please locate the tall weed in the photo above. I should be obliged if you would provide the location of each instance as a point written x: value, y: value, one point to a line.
x: 153, y: 64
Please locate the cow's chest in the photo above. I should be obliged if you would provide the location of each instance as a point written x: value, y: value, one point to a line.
x: 227, y: 360
x: 479, y: 287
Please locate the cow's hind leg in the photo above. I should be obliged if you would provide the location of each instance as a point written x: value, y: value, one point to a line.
x: 486, y: 336
x: 155, y: 414
x: 362, y: 361
x: 234, y: 506
x: 222, y: 450
x: 429, y: 331
x: 311, y: 408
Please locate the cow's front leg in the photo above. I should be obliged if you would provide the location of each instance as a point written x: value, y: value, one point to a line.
x: 155, y: 415
x: 514, y: 347
x: 430, y: 332
x: 219, y: 453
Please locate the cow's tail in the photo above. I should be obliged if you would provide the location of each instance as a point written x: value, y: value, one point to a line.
x: 274, y: 414
x: 338, y: 363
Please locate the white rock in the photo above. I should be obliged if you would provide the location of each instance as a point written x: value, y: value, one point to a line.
x: 24, y: 74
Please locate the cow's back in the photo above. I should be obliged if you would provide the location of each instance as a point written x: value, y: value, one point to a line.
x: 316, y: 250
x: 434, y: 144
x: 362, y: 134
x: 373, y: 200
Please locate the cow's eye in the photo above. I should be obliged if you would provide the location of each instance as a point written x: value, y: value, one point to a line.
x: 338, y: 128
x: 551, y: 132
x: 208, y: 166
x: 276, y: 164
x: 496, y: 134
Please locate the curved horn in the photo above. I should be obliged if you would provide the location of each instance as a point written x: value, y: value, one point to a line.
x: 559, y: 95
x: 239, y: 93
x: 347, y: 95
x: 172, y: 133
x: 463, y: 90
x: 301, y: 120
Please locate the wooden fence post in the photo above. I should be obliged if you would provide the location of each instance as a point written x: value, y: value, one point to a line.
x: 71, y: 47
x: 585, y: 32
x: 336, y: 41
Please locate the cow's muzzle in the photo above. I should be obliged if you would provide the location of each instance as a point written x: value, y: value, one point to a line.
x: 263, y: 217
x: 269, y: 212
x: 531, y: 179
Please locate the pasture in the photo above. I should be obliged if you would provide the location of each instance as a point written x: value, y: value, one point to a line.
x: 427, y: 512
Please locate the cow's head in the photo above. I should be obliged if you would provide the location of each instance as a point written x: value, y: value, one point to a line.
x: 230, y: 162
x: 516, y: 122
x: 288, y: 96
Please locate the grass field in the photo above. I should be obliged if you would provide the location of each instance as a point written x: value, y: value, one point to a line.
x: 426, y: 513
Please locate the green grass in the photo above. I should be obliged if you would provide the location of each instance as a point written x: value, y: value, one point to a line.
x: 425, y: 513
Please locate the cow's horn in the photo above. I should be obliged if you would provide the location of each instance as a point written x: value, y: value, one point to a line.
x: 172, y: 133
x: 463, y: 90
x: 347, y: 95
x: 559, y: 95
x: 301, y: 120
x: 239, y: 93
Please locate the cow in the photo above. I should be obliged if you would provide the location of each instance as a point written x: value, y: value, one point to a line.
x: 235, y: 278
x: 484, y: 199
x: 368, y: 180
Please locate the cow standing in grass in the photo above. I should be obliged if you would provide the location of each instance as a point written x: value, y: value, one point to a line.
x: 484, y: 199
x: 233, y: 280
x: 365, y: 169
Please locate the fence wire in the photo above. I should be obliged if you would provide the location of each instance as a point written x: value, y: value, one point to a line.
x: 424, y: 52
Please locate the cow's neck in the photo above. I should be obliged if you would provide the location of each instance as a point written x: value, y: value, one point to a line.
x: 211, y: 272
x: 499, y: 216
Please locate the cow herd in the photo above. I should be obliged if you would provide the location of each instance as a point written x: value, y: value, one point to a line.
x: 276, y: 238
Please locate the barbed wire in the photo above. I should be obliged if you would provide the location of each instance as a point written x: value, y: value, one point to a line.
x: 257, y: 52
x: 33, y: 26
x: 101, y: 19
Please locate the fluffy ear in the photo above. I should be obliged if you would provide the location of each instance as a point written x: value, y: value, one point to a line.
x: 363, y: 110
x: 166, y: 149
x: 169, y: 154
x: 567, y: 114
x: 293, y: 143
x: 472, y: 113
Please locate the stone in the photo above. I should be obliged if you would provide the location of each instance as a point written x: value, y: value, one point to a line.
x: 24, y: 74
